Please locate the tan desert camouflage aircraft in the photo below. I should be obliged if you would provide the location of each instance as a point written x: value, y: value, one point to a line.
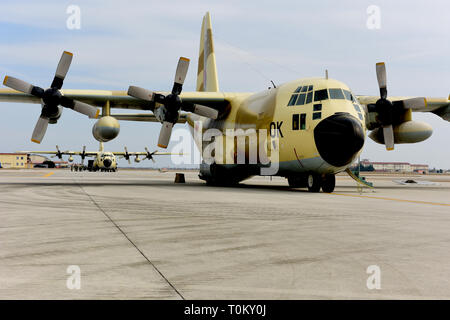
x: 104, y: 161
x: 315, y: 127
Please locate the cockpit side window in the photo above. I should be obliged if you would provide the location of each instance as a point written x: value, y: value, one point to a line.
x: 336, y: 93
x: 320, y: 95
x: 292, y: 100
x: 309, y: 97
x: 302, y: 95
x: 348, y: 95
x: 301, y: 99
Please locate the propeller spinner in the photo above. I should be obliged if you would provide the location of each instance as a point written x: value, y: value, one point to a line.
x: 169, y: 112
x: 52, y: 98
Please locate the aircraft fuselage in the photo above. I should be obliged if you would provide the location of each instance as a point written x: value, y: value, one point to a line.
x: 319, y: 124
x: 105, y: 161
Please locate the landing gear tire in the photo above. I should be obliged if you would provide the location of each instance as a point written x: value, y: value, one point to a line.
x: 328, y: 183
x: 314, y: 182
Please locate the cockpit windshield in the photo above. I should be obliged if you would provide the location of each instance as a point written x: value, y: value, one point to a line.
x: 336, y: 94
x: 304, y: 95
x: 320, y: 95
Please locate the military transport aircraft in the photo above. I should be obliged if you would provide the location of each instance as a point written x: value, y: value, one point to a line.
x: 103, y: 160
x: 315, y: 126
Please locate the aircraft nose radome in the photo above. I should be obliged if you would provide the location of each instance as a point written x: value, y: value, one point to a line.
x: 107, y: 162
x: 338, y: 138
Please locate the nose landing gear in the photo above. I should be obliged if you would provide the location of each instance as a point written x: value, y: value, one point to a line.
x: 328, y: 183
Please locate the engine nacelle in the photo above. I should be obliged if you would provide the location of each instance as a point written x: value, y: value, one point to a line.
x: 406, y: 132
x: 106, y: 129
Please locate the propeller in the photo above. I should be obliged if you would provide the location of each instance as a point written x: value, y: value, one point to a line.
x: 83, y: 155
x: 52, y: 98
x: 58, y: 153
x: 389, y: 111
x: 149, y: 155
x: 127, y: 155
x: 169, y: 112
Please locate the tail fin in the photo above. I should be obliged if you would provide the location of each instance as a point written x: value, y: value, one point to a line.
x: 101, y: 147
x: 207, y: 70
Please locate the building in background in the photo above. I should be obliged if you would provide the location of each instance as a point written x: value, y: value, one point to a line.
x: 15, y: 161
x: 402, y: 167
x: 19, y: 160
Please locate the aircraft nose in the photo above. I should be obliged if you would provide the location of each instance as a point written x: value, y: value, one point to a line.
x: 338, y: 138
x: 107, y: 162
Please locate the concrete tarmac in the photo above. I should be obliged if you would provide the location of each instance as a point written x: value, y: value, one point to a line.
x: 135, y: 234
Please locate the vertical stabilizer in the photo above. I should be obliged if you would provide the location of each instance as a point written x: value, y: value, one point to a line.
x: 207, y: 70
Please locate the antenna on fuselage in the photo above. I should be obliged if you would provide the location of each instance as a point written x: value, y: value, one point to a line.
x: 326, y: 74
x: 273, y: 84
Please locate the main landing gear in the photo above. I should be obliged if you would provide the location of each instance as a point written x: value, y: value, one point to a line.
x: 313, y: 182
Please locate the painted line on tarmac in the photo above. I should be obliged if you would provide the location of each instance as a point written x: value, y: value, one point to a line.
x: 393, y: 199
x: 48, y: 174
x: 129, y: 239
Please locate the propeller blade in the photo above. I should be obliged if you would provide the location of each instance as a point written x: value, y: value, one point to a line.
x: 61, y: 69
x: 164, y: 134
x: 127, y: 156
x: 141, y: 93
x: 180, y: 75
x: 182, y: 69
x: 205, y: 111
x: 388, y: 134
x: 415, y: 103
x: 381, y: 77
x: 18, y: 84
x: 81, y: 107
x: 87, y: 109
x: 39, y: 129
x: 83, y: 155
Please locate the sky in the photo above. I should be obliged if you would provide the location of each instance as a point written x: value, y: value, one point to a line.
x: 123, y: 43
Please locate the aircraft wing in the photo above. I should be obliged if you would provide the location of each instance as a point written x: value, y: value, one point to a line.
x: 145, y: 153
x: 148, y: 117
x: 438, y: 106
x: 63, y: 153
x: 118, y: 99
